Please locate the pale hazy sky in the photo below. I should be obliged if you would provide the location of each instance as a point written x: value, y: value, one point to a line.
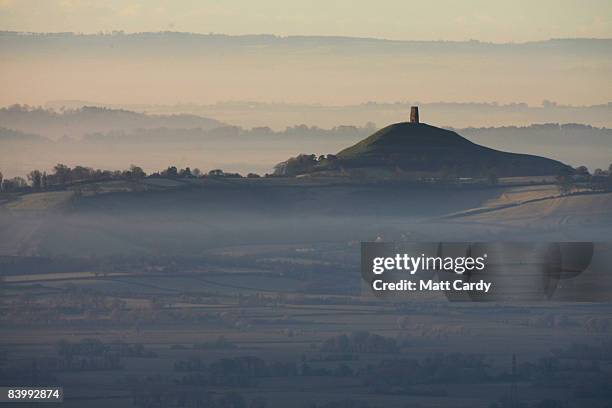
x: 485, y: 20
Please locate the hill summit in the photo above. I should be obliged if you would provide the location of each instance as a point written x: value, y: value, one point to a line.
x: 419, y: 149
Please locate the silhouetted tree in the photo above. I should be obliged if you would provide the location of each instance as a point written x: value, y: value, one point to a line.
x: 170, y: 172
x: 565, y: 181
x: 80, y: 173
x: 35, y: 178
x: 137, y: 172
x: 302, y: 163
x: 62, y: 173
x: 582, y: 171
x: 186, y: 173
x: 14, y: 184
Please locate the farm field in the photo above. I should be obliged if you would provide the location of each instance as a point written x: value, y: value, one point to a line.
x: 198, y: 296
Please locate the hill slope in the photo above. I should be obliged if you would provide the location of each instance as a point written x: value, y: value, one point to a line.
x: 418, y: 147
x: 575, y: 211
x: 90, y: 120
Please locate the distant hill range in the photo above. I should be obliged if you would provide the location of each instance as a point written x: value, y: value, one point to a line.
x: 36, y: 137
x: 421, y: 150
x: 76, y: 123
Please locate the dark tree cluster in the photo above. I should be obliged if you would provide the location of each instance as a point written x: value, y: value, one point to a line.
x: 165, y: 397
x: 398, y: 375
x: 220, y: 343
x: 64, y: 176
x: 232, y: 372
x: 594, y: 352
x: 360, y: 342
x: 342, y: 370
x: 599, y: 180
x: 94, y: 355
x: 13, y: 184
x: 95, y: 347
x: 579, y: 368
x: 304, y: 163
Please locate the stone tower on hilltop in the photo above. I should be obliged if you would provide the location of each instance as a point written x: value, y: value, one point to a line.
x: 414, y: 114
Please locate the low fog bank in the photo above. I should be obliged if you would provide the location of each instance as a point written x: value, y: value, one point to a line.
x: 278, y: 115
x: 176, y: 290
x: 189, y: 221
x: 235, y: 149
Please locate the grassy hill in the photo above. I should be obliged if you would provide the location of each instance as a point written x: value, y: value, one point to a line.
x: 418, y: 147
x: 571, y: 211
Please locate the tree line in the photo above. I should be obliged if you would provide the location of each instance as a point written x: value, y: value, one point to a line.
x: 63, y: 176
x: 599, y: 180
